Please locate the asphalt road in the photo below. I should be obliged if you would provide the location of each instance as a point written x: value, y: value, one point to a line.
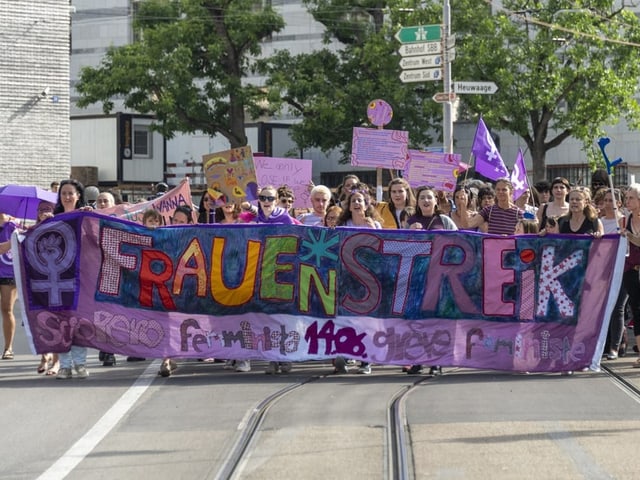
x: 126, y: 422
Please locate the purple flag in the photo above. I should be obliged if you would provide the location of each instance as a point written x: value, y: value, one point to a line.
x: 519, y: 176
x: 488, y: 160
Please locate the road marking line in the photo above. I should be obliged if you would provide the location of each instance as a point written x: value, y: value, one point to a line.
x: 83, y: 447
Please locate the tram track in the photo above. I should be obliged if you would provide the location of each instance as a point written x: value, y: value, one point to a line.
x: 626, y: 386
x: 398, y: 461
x: 250, y: 427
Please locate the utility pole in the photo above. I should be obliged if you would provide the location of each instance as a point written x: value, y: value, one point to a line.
x: 447, y: 107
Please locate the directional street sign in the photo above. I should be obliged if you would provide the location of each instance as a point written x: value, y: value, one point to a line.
x: 422, y: 33
x: 450, y: 55
x: 450, y: 41
x: 424, y: 61
x: 444, y: 97
x: 424, y: 75
x: 415, y: 49
x: 476, y: 88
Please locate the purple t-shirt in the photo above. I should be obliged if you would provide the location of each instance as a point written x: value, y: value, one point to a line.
x: 6, y: 260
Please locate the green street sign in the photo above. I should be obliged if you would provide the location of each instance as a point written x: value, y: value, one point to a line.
x: 422, y: 33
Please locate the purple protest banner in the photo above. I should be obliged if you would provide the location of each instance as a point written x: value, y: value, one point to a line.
x: 438, y: 170
x: 293, y: 172
x: 518, y: 303
x: 379, y: 148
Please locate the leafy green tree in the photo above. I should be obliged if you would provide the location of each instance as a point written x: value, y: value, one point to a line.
x: 329, y: 89
x: 188, y: 67
x: 562, y: 70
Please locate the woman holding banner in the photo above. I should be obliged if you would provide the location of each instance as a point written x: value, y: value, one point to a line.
x: 402, y: 203
x: 428, y: 217
x: 630, y: 278
x: 268, y: 212
x: 501, y: 218
x: 8, y: 292
x: 70, y: 198
x: 558, y: 206
x: 360, y: 213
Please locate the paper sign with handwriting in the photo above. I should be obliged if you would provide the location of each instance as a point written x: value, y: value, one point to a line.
x: 293, y: 172
x: 438, y: 170
x: 379, y: 148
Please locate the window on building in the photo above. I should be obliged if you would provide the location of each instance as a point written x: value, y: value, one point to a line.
x: 581, y: 174
x: 142, y: 141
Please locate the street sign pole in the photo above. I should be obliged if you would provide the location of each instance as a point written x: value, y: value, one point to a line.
x: 447, y: 107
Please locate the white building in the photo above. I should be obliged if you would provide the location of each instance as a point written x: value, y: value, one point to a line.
x: 39, y: 145
x: 34, y: 92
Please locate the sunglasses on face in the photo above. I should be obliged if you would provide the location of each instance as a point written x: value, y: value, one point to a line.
x: 286, y: 200
x: 264, y: 198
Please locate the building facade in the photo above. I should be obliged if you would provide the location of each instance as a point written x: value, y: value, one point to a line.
x: 34, y: 92
x: 98, y: 25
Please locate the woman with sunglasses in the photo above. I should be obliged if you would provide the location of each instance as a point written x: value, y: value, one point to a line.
x: 269, y: 212
x: 286, y: 197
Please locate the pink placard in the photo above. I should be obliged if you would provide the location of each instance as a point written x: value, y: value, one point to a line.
x: 435, y: 169
x: 379, y: 148
x: 294, y: 172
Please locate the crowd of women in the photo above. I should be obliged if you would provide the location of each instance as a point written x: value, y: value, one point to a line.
x: 550, y: 207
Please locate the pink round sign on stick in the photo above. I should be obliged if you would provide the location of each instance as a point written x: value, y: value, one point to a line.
x: 379, y: 112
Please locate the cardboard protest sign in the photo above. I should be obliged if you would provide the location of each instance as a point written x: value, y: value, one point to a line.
x: 293, y: 172
x: 231, y: 175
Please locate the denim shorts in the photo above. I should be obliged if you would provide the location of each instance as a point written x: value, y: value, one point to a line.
x: 7, y: 281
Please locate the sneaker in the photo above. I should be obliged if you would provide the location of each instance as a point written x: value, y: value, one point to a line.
x: 108, y: 360
x: 64, y: 374
x: 414, y: 370
x: 568, y: 373
x: 272, y: 368
x: 351, y: 362
x: 101, y: 355
x: 81, y: 371
x: 435, y: 370
x: 243, y: 366
x: 229, y: 365
x: 285, y: 367
x: 165, y: 369
x: 340, y: 366
x: 612, y: 356
x: 365, y: 369
x: 135, y: 359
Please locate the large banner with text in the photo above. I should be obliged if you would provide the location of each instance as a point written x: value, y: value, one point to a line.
x: 295, y: 293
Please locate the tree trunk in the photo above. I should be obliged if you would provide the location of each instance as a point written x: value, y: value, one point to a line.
x: 538, y: 158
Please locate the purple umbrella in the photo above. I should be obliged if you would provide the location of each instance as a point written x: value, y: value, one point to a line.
x: 21, y: 201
